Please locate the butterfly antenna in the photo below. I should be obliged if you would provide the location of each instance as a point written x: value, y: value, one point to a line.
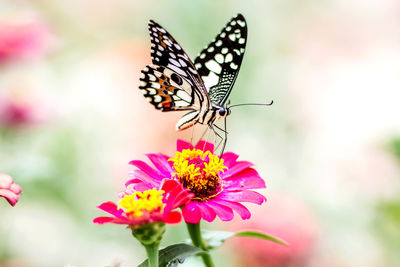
x: 252, y: 104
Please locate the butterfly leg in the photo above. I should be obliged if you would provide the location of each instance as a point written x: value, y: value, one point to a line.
x: 191, y: 138
x: 222, y: 139
x: 216, y: 134
x: 205, y: 133
x: 225, y: 139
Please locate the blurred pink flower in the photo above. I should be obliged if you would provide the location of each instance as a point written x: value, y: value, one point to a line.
x: 218, y: 184
x: 22, y: 37
x: 150, y: 206
x: 284, y: 217
x: 8, y: 189
x: 17, y: 111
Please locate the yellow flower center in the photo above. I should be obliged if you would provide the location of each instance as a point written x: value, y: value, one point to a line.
x: 140, y: 203
x: 199, y: 171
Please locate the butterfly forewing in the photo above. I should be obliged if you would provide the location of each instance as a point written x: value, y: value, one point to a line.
x: 219, y: 63
x: 166, y: 52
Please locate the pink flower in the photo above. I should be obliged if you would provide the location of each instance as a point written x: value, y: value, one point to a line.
x: 22, y: 38
x: 150, y: 206
x: 9, y: 189
x: 218, y: 184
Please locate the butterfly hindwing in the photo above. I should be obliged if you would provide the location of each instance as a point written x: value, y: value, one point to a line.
x: 219, y: 63
x: 167, y: 90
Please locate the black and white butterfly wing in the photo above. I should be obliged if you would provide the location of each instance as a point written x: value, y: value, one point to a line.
x: 219, y: 63
x: 168, y: 91
x: 167, y: 52
x: 172, y: 82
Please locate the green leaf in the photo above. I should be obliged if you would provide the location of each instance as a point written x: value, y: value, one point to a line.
x: 173, y: 255
x: 215, y: 239
x: 262, y: 236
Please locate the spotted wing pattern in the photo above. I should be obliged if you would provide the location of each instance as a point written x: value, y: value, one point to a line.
x: 219, y: 63
x: 166, y: 52
x: 166, y: 90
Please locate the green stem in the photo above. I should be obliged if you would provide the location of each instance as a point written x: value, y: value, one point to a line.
x: 195, y: 235
x: 152, y: 254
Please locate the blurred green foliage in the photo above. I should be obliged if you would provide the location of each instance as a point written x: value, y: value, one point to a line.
x: 394, y: 146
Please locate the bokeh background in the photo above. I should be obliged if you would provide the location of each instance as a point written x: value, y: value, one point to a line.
x: 72, y: 117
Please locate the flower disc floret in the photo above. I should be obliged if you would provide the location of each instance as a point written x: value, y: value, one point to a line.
x: 142, y: 202
x: 199, y: 171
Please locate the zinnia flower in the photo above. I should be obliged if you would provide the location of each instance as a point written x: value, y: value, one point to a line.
x: 9, y: 189
x: 218, y: 184
x: 147, y: 207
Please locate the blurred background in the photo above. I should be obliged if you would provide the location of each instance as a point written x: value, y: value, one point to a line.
x: 72, y: 117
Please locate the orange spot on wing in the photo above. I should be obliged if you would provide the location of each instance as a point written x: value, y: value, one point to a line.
x: 166, y: 104
x: 161, y: 41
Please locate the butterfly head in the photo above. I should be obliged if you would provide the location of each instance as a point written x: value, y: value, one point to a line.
x: 223, y: 112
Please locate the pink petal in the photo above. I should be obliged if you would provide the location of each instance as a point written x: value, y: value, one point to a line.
x: 132, y: 181
x: 191, y: 213
x: 145, y: 178
x: 103, y: 220
x: 175, y: 195
x: 111, y: 208
x: 146, y: 169
x: 207, y: 213
x: 229, y: 158
x: 247, y: 179
x: 5, y: 181
x: 181, y: 145
x: 172, y: 217
x: 16, y: 188
x: 10, y: 196
x: 161, y: 163
x: 142, y: 187
x: 243, y: 212
x: 169, y: 185
x: 242, y: 196
x: 167, y: 159
x: 205, y: 146
x: 237, y: 167
x: 171, y: 188
x: 8, y: 189
x: 183, y: 198
x: 223, y: 212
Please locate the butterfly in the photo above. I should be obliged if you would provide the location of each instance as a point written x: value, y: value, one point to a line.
x: 173, y: 82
